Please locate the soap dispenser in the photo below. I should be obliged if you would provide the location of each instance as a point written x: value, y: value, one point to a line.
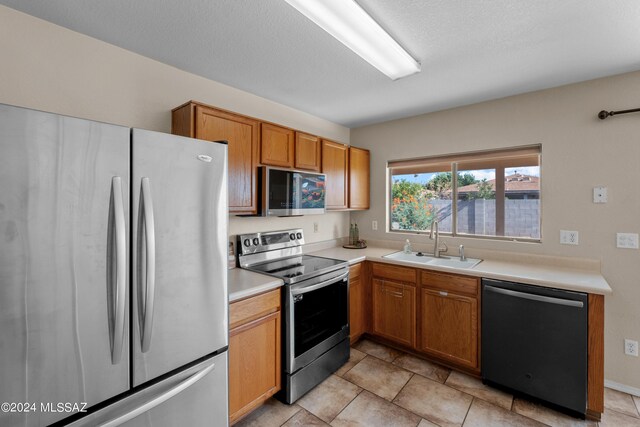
x: 407, y: 247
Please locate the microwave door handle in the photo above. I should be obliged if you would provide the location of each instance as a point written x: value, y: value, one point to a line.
x: 311, y: 288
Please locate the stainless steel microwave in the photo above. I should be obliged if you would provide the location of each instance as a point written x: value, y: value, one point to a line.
x: 288, y: 192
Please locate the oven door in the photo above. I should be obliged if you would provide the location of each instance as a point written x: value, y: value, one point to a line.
x: 316, y: 317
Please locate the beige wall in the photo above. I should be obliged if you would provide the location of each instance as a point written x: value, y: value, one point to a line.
x: 579, y: 152
x: 50, y: 68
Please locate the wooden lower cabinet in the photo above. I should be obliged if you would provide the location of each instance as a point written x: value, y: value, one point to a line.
x: 254, y: 352
x: 394, y: 311
x: 356, y: 303
x: 449, y: 326
x: 449, y: 318
x: 445, y: 327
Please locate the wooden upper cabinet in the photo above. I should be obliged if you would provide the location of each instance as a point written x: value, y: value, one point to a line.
x: 335, y: 164
x: 277, y: 146
x: 307, y: 152
x: 358, y: 178
x: 243, y: 137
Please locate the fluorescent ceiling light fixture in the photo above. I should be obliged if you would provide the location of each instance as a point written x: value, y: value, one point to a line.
x: 352, y: 26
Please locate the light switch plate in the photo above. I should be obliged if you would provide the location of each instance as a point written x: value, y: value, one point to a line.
x: 599, y: 194
x: 627, y: 240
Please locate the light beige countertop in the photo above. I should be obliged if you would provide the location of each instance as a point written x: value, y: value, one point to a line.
x: 536, y: 272
x: 539, y: 271
x: 244, y: 283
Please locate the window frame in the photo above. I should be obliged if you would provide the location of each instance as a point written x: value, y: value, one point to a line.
x: 487, y: 159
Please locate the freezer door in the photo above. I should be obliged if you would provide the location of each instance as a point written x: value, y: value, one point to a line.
x: 195, y: 397
x: 179, y: 233
x: 64, y: 191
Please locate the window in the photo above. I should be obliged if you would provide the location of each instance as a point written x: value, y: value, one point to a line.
x: 488, y: 194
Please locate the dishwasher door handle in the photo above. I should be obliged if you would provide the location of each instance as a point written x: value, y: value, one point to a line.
x: 535, y: 297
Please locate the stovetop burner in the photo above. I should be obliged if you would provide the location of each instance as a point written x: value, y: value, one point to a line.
x: 298, y: 267
x: 279, y: 254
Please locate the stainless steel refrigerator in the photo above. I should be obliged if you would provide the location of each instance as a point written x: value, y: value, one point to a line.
x: 113, y: 286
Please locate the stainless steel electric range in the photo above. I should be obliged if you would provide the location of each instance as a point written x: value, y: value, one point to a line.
x: 315, y: 297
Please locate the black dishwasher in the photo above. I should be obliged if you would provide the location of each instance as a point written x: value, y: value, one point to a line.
x: 534, y: 341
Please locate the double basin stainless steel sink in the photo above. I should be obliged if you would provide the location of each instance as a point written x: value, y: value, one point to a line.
x: 426, y: 259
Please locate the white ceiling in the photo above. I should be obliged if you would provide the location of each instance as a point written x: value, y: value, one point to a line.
x: 470, y: 51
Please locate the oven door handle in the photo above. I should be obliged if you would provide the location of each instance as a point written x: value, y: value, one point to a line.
x: 311, y: 288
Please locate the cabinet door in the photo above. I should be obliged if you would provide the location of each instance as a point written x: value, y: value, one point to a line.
x: 307, y: 152
x: 358, y: 178
x: 450, y: 327
x: 394, y: 311
x: 254, y: 364
x: 276, y: 146
x: 243, y: 136
x: 335, y: 164
x: 356, y: 303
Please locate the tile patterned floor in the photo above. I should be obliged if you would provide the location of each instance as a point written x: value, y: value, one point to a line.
x: 380, y: 386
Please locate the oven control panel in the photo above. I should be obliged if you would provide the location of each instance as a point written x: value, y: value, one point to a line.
x: 269, y: 240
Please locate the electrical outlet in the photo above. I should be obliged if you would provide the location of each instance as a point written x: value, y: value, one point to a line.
x: 569, y: 237
x: 599, y: 194
x: 374, y: 225
x: 627, y: 240
x: 631, y: 347
x: 315, y: 227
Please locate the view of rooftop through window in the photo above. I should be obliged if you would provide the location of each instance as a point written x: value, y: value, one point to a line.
x: 482, y: 208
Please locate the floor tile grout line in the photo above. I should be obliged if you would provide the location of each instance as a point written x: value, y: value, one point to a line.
x: 450, y: 371
x: 619, y: 412
x: 347, y: 405
x: 300, y: 408
x: 379, y: 358
x: 464, y: 420
x: 411, y: 412
x: 403, y: 387
x: 474, y: 398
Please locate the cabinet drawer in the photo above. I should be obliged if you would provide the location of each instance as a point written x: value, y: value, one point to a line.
x: 393, y: 272
x: 355, y: 271
x: 450, y: 282
x: 249, y: 309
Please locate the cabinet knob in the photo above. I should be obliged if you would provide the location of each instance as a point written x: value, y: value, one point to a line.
x: 443, y: 293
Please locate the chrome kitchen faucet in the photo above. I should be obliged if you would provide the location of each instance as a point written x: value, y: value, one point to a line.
x: 437, y: 250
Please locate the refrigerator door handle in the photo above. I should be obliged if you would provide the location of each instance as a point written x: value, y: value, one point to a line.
x: 118, y: 269
x: 161, y: 398
x: 146, y: 275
